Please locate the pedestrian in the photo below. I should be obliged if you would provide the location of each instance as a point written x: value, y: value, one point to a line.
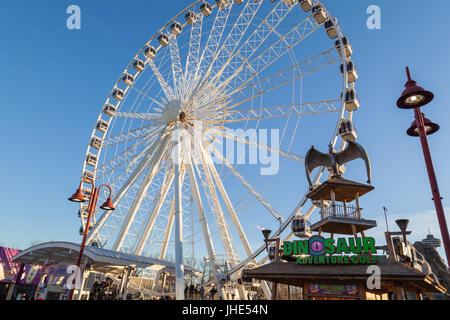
x: 202, y: 292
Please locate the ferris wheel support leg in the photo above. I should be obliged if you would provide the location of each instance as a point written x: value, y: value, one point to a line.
x: 179, y: 264
x: 203, y: 222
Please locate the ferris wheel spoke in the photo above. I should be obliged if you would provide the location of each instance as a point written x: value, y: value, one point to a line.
x: 202, y: 217
x: 155, y: 118
x: 142, y: 239
x: 235, y: 35
x: 248, y: 70
x: 285, y: 77
x: 167, y: 231
x: 250, y: 188
x: 229, y: 205
x: 292, y: 110
x: 129, y: 182
x: 212, y: 45
x: 144, y: 94
x: 193, y: 58
x: 148, y: 130
x: 170, y: 95
x: 177, y: 69
x: 216, y: 208
x: 258, y: 37
x: 259, y: 145
x: 154, y: 167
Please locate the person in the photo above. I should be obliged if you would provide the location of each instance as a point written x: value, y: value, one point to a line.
x: 213, y: 292
x: 202, y: 292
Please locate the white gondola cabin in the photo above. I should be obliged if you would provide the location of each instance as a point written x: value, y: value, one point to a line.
x: 222, y: 4
x: 190, y: 17
x: 118, y: 94
x: 176, y: 28
x: 109, y: 109
x: 301, y: 227
x: 86, y: 193
x: 306, y: 5
x: 82, y: 229
x: 347, y: 130
x: 96, y: 143
x: 150, y: 52
x: 128, y: 79
x: 352, y: 102
x: 102, y: 126
x: 352, y: 73
x: 319, y: 14
x: 83, y: 212
x: 88, y: 175
x: 91, y: 160
x: 163, y: 39
x: 139, y: 65
x: 206, y: 9
x: 331, y: 29
x: 347, y: 47
x: 289, y: 2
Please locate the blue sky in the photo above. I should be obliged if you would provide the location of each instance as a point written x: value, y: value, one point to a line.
x: 54, y: 82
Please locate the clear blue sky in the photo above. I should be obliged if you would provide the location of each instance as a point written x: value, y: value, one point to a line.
x: 54, y: 82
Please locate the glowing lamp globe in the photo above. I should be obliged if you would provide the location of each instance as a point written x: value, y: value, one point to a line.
x: 414, y: 96
x: 430, y: 128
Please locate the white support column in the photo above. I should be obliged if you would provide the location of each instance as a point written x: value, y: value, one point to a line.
x: 179, y: 258
x: 83, y: 282
x: 205, y: 228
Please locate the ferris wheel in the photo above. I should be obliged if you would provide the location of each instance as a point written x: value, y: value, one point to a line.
x: 161, y: 138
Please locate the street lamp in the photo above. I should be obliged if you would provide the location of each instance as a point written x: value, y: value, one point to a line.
x: 415, y: 97
x: 79, y: 198
x: 266, y: 233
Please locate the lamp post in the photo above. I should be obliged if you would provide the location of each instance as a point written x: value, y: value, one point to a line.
x: 266, y: 233
x: 79, y: 197
x: 415, y: 97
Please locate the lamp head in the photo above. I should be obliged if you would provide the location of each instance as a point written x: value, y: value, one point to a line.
x: 430, y: 128
x: 402, y: 224
x: 414, y: 96
x: 108, y: 205
x: 266, y: 233
x: 77, y: 196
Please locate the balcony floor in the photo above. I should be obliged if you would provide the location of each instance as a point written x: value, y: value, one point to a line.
x: 340, y: 225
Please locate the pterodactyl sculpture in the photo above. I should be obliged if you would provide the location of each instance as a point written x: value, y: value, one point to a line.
x: 333, y: 160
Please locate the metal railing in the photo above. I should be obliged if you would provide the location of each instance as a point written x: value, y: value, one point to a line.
x: 341, y: 211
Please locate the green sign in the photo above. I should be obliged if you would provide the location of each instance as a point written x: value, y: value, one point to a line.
x: 318, y: 250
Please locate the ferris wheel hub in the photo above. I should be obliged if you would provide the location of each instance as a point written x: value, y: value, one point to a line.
x: 172, y: 111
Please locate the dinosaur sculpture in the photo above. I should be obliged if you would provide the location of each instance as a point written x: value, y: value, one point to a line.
x: 333, y: 160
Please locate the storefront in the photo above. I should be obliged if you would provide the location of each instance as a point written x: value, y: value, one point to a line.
x: 28, y: 282
x: 347, y: 281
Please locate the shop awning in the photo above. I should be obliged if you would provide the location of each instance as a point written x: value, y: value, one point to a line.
x: 98, y: 259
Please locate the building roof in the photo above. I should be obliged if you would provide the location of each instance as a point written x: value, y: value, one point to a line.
x: 345, y: 190
x: 99, y: 259
x: 291, y: 273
